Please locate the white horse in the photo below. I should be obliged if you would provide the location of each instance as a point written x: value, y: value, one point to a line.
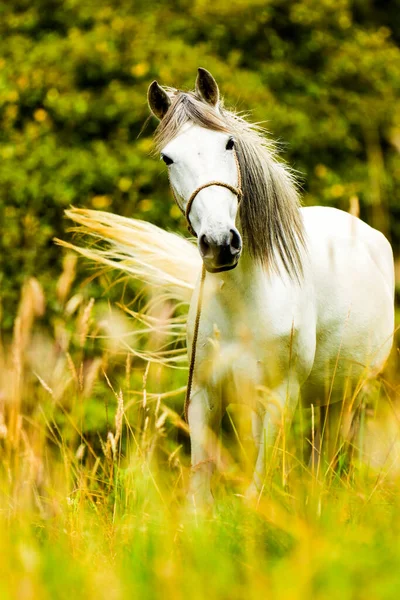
x: 303, y: 305
x: 295, y: 300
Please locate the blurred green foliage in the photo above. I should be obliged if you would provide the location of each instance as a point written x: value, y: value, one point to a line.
x: 324, y: 74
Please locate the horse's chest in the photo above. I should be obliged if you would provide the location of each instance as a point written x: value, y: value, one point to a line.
x: 245, y: 346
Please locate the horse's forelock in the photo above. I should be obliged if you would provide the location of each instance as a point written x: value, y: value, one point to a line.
x: 187, y: 107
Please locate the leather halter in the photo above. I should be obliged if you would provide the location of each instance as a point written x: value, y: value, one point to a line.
x: 235, y: 190
x: 239, y: 194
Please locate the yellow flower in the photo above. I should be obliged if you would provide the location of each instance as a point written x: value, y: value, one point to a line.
x: 101, y: 201
x: 145, y: 145
x: 146, y: 205
x: 124, y: 184
x: 320, y: 171
x: 40, y: 115
x: 12, y: 96
x: 337, y: 190
x: 174, y: 211
x: 140, y: 69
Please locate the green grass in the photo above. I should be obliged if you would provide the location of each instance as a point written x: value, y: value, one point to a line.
x: 341, y: 545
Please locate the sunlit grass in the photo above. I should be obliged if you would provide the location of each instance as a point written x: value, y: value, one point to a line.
x: 94, y: 472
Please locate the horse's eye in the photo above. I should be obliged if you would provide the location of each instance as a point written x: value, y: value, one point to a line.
x: 168, y: 161
x: 230, y: 144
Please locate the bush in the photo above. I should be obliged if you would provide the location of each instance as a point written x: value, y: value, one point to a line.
x: 73, y: 81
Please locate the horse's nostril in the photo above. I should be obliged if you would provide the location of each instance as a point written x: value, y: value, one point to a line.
x: 235, y: 241
x: 204, y: 245
x: 221, y: 251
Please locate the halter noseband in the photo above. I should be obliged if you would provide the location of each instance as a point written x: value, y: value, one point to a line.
x: 235, y: 190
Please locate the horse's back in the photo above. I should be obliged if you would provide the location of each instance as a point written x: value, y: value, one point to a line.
x: 351, y: 266
x: 333, y: 225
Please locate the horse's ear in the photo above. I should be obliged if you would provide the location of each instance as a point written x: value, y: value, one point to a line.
x: 158, y: 100
x: 207, y: 87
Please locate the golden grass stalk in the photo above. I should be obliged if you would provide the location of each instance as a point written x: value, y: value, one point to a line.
x: 67, y: 277
x: 161, y: 261
x: 146, y: 252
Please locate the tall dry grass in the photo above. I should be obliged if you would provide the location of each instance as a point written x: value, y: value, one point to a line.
x: 94, y: 469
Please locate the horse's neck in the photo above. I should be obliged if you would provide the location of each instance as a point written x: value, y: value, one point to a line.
x: 237, y: 282
x: 251, y: 283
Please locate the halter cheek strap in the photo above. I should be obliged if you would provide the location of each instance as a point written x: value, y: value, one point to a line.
x: 235, y: 190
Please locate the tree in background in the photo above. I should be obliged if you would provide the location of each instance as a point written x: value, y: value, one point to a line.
x: 323, y: 74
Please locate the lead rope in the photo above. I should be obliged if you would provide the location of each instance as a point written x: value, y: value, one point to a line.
x: 238, y: 192
x: 194, y: 343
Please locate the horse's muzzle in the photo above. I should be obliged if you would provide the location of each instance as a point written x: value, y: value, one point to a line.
x: 222, y: 254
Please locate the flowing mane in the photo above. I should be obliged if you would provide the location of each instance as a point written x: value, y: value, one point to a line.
x: 270, y: 221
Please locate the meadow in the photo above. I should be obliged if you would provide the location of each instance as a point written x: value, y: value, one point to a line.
x: 87, y: 514
x: 94, y: 451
